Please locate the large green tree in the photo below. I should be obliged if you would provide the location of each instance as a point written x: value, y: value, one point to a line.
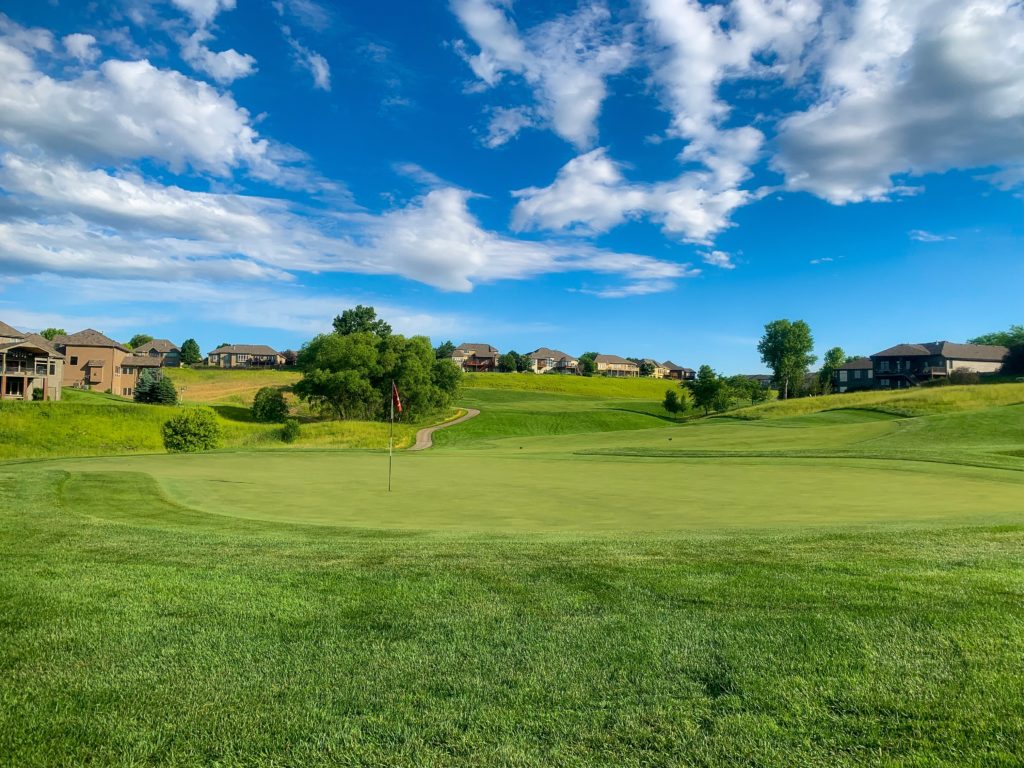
x: 139, y: 339
x: 508, y: 362
x: 832, y: 361
x: 349, y: 376
x: 51, y: 333
x: 1008, y: 338
x: 444, y: 351
x: 588, y: 363
x: 190, y: 354
x: 786, y: 349
x: 360, y: 319
x: 706, y: 389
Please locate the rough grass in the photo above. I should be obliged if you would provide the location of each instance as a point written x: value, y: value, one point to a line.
x: 582, y: 386
x: 137, y: 632
x: 918, y: 401
x: 219, y: 385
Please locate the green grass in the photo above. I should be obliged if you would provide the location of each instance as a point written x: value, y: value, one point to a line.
x: 219, y: 385
x: 582, y: 386
x: 569, y: 579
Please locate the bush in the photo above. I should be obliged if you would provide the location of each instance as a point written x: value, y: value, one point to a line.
x: 269, y: 405
x: 37, y: 393
x: 191, y: 431
x: 1013, y: 365
x: 963, y: 376
x: 290, y: 431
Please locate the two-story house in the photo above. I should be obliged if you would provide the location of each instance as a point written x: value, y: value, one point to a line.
x: 92, y: 361
x: 476, y: 358
x: 678, y: 372
x: 658, y: 371
x: 907, y: 365
x: 856, y: 374
x: 245, y: 356
x: 619, y: 367
x: 30, y: 366
x: 164, y: 349
x: 546, y: 360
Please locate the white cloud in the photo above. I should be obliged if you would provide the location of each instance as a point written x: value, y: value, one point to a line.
x: 566, y: 60
x: 591, y: 193
x: 506, y: 123
x: 223, y: 66
x: 822, y: 260
x: 912, y: 88
x: 81, y: 46
x: 25, y: 39
x: 128, y: 110
x: 203, y: 12
x: 719, y: 259
x: 311, y: 61
x: 928, y: 237
x: 308, y: 13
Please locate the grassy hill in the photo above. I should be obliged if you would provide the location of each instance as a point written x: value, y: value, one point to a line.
x: 570, y: 579
x: 580, y: 386
x: 219, y: 385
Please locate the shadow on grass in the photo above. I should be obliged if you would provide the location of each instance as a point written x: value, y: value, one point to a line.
x: 234, y: 412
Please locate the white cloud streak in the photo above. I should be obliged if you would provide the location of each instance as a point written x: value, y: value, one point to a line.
x: 223, y: 66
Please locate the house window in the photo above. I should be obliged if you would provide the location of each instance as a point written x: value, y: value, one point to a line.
x: 842, y: 375
x: 74, y: 360
x: 884, y: 366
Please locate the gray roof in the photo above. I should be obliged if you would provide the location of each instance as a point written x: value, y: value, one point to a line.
x: 947, y: 349
x: 141, y: 361
x: 95, y: 364
x: 244, y: 349
x: 42, y: 343
x: 478, y: 350
x: 163, y: 346
x: 857, y: 364
x: 88, y: 338
x: 10, y: 331
x: 614, y: 360
x: 653, y: 362
x: 546, y: 353
x: 673, y: 367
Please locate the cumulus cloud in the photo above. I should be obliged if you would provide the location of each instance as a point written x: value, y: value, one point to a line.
x: 566, y: 61
x: 223, y: 66
x: 203, y: 12
x: 719, y: 259
x: 506, y: 123
x: 127, y: 110
x: 591, y: 194
x: 909, y: 89
x: 81, y: 46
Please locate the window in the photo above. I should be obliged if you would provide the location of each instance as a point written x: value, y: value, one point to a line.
x: 842, y: 376
x: 884, y: 366
x: 74, y: 360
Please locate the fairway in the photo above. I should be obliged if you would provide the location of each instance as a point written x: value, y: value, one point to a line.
x: 570, y: 578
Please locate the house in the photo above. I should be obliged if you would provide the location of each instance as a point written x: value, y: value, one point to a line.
x: 476, y: 358
x: 132, y: 367
x: 853, y: 375
x: 93, y: 361
x: 244, y: 356
x: 545, y: 360
x: 908, y: 365
x: 658, y: 371
x: 619, y: 367
x: 764, y: 380
x: 28, y: 363
x: 168, y: 353
x: 673, y: 371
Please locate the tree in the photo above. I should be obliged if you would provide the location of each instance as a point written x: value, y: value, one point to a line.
x: 833, y: 360
x: 290, y: 431
x: 190, y: 354
x: 706, y: 388
x: 350, y: 376
x: 223, y: 344
x: 50, y: 333
x: 524, y: 363
x: 1013, y: 364
x: 139, y: 339
x: 671, y: 402
x: 646, y: 369
x: 786, y: 349
x: 741, y: 386
x: 191, y: 431
x: 588, y: 363
x: 269, y: 405
x: 444, y: 351
x: 290, y: 356
x: 509, y: 362
x: 360, y: 319
x: 1008, y: 338
x: 155, y: 388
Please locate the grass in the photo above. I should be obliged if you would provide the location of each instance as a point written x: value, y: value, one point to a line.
x: 568, y: 579
x: 218, y: 385
x: 601, y: 387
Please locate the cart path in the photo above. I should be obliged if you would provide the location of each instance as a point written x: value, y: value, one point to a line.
x: 425, y: 437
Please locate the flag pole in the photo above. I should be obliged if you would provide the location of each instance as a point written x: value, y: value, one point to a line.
x: 391, y: 435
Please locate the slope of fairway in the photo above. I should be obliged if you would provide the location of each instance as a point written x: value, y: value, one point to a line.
x: 138, y: 632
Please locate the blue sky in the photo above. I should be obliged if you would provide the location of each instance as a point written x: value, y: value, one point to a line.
x: 653, y: 178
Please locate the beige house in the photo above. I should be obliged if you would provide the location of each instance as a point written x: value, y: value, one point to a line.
x: 30, y: 367
x: 658, y: 371
x: 476, y: 358
x: 92, y: 361
x: 613, y: 365
x: 164, y: 349
x: 546, y: 360
x: 244, y: 356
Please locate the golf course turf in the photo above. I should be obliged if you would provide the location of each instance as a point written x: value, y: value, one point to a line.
x: 571, y: 578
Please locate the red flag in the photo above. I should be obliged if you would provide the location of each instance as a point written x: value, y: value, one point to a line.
x: 395, y: 399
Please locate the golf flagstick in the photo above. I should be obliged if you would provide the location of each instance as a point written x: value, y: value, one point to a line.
x: 395, y: 401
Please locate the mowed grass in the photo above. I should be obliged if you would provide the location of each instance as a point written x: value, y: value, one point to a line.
x: 569, y: 579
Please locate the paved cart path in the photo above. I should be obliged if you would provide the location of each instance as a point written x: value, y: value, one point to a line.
x: 425, y: 437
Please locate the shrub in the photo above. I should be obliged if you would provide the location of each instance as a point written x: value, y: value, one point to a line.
x: 963, y: 376
x: 1013, y: 365
x: 290, y: 431
x: 191, y: 431
x: 155, y: 388
x: 269, y: 405
x: 37, y: 393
